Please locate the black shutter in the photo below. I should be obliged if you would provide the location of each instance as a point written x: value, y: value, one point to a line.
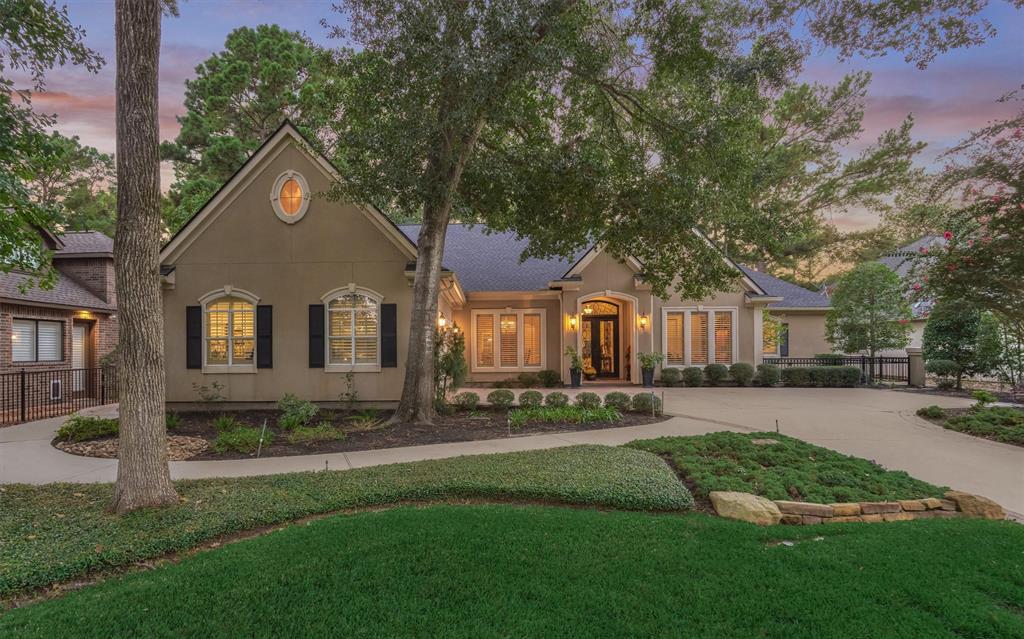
x: 316, y: 335
x: 784, y: 342
x: 388, y: 336
x: 264, y: 337
x: 193, y: 337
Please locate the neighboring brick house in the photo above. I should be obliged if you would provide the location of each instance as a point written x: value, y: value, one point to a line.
x: 73, y: 324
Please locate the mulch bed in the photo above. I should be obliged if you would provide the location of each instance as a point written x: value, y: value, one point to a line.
x: 459, y: 427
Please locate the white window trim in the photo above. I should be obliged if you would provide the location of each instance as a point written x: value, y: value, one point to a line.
x: 353, y: 367
x: 687, y: 348
x: 520, y: 336
x: 275, y: 197
x: 213, y: 296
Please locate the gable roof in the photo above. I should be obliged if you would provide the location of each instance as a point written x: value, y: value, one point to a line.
x: 901, y: 260
x: 78, y: 243
x: 793, y: 296
x: 65, y: 292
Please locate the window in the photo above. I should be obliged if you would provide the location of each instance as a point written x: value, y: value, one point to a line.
x: 723, y: 338
x: 290, y: 197
x: 698, y: 338
x: 37, y: 341
x: 674, y: 354
x: 353, y: 330
x: 519, y: 335
x: 774, y: 337
x: 230, y: 332
x: 695, y: 337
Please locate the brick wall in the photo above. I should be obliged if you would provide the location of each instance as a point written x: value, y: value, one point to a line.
x: 96, y: 274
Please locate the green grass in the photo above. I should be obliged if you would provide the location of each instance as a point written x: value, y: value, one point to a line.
x: 507, y: 571
x: 60, y: 531
x: 998, y: 423
x: 790, y: 469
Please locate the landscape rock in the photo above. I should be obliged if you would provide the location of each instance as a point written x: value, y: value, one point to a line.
x: 897, y: 516
x: 912, y: 505
x: 843, y: 519
x: 804, y: 508
x: 976, y: 505
x: 932, y: 503
x: 946, y: 504
x: 811, y: 519
x: 845, y: 510
x: 792, y: 520
x: 745, y: 507
x: 871, y: 518
x: 879, y: 507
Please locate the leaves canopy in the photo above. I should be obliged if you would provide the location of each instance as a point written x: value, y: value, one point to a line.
x: 958, y: 331
x: 869, y: 311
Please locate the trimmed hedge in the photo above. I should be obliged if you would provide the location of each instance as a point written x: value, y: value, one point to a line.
x: 671, y: 376
x: 715, y: 374
x: 827, y: 376
x: 531, y: 398
x: 693, y: 376
x: 501, y: 398
x: 742, y: 373
x: 617, y: 400
x: 549, y: 378
x: 588, y: 400
x: 646, y: 403
x: 767, y: 375
x: 466, y: 400
x: 556, y: 399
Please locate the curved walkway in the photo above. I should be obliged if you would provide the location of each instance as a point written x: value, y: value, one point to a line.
x: 874, y: 424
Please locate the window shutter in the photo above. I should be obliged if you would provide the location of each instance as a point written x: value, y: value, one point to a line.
x: 784, y: 341
x: 316, y: 335
x: 193, y: 337
x: 264, y: 337
x: 388, y: 336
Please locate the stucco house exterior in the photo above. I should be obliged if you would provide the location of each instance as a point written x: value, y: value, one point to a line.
x: 901, y: 261
x: 270, y: 289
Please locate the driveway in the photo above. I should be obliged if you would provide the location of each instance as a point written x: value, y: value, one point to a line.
x: 874, y: 424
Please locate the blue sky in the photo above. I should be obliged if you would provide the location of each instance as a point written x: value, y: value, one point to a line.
x: 955, y: 94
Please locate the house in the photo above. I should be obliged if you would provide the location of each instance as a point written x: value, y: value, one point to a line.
x: 270, y: 289
x: 901, y: 262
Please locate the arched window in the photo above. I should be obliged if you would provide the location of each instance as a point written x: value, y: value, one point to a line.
x: 290, y: 196
x: 353, y: 328
x: 229, y: 329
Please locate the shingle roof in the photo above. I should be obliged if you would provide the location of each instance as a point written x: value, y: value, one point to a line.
x: 489, y: 261
x: 793, y: 296
x: 85, y: 242
x: 66, y: 292
x: 901, y: 260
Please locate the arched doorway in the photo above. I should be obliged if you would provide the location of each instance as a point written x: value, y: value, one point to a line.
x: 600, y: 336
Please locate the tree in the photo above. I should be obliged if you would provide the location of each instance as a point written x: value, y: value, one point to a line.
x: 869, y: 311
x: 35, y: 36
x: 959, y: 332
x: 237, y: 99
x: 570, y: 121
x: 143, y: 476
x: 450, y: 368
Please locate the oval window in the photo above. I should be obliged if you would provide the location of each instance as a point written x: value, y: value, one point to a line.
x: 291, y: 196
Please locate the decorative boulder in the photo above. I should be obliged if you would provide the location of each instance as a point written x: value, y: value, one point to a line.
x: 745, y: 507
x: 976, y: 505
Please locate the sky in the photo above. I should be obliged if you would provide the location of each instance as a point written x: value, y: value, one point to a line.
x: 955, y: 94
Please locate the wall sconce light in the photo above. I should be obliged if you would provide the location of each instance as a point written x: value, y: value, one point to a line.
x: 643, y: 321
x: 573, y: 321
x: 441, y: 321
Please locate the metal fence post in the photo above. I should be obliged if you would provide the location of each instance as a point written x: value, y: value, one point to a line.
x: 103, y: 389
x: 23, y: 396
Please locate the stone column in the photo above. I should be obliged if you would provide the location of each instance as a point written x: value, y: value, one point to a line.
x: 917, y: 374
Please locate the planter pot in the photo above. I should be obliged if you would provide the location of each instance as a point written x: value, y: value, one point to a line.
x: 575, y: 378
x: 648, y: 375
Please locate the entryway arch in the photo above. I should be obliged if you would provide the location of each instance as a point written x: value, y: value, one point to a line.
x: 626, y: 337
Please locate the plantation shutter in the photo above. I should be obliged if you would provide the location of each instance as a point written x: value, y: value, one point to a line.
x: 389, y: 335
x: 316, y: 335
x: 784, y: 341
x: 698, y: 338
x: 674, y: 339
x: 509, y: 341
x: 723, y: 337
x: 485, y: 340
x: 193, y: 337
x: 264, y: 337
x: 531, y: 339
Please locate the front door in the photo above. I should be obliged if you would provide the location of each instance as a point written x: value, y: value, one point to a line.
x: 78, y: 333
x: 601, y: 344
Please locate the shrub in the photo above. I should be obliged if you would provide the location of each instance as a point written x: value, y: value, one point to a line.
x: 715, y: 373
x: 650, y: 360
x: 295, y: 412
x: 322, y: 432
x: 224, y: 423
x: 504, y: 383
x: 242, y: 440
x: 519, y: 417
x: 172, y: 421
x: 945, y: 369
x: 617, y: 400
x: 82, y: 427
x: 466, y: 400
x: 830, y: 359
x: 549, y: 378
x: 742, y: 373
x: 588, y: 400
x: 767, y: 374
x: 847, y: 376
x: 983, y: 398
x: 998, y: 423
x: 671, y: 376
x: 796, y: 377
x: 931, y: 412
x: 501, y: 398
x: 556, y: 400
x: 693, y: 376
x: 528, y: 380
x: 531, y: 398
x: 366, y: 419
x: 646, y: 403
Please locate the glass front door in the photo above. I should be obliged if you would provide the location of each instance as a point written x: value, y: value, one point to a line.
x: 601, y: 346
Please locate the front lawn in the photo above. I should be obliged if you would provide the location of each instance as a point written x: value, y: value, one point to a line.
x: 1002, y: 424
x: 58, y: 532
x: 780, y: 467
x: 508, y: 571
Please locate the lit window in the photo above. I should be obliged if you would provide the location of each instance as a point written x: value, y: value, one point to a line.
x: 519, y: 335
x: 230, y: 332
x: 291, y: 197
x: 509, y: 341
x: 531, y: 339
x: 37, y: 341
x: 723, y: 337
x: 698, y: 338
x: 353, y: 330
x: 485, y: 340
x: 674, y: 338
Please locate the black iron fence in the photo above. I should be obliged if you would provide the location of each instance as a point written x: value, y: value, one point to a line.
x: 872, y: 369
x: 29, y: 395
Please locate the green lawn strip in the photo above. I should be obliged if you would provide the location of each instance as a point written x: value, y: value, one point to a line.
x: 789, y: 469
x: 512, y: 571
x: 60, y: 531
x: 998, y: 423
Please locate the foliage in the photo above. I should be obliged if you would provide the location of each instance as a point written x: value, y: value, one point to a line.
x: 350, y: 396
x: 587, y: 400
x: 365, y: 420
x: 466, y: 400
x: 830, y: 359
x: 767, y: 375
x: 957, y: 331
x: 578, y: 414
x: 531, y: 398
x: 72, y: 533
x: 650, y: 360
x: 646, y: 403
x: 172, y: 421
x: 295, y: 412
x: 869, y: 311
x: 790, y: 470
x: 556, y: 399
x: 575, y: 361
x: 693, y: 376
x: 504, y: 383
x: 241, y: 439
x: 450, y: 369
x: 322, y: 432
x: 796, y: 376
x: 549, y: 378
x: 501, y: 398
x: 209, y: 394
x: 998, y: 423
x: 932, y: 412
x: 983, y: 398
x: 618, y: 400
x: 716, y: 374
x: 742, y: 373
x: 1010, y: 367
x: 828, y: 376
x: 224, y: 423
x: 671, y: 376
x: 946, y: 370
x: 527, y: 379
x: 82, y: 427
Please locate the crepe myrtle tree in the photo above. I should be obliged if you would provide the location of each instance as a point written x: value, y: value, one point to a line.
x: 629, y: 123
x: 869, y: 311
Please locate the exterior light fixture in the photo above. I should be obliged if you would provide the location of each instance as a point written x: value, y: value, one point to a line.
x: 573, y: 321
x: 441, y: 321
x: 643, y: 321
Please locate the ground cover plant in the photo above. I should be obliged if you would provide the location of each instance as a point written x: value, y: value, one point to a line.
x: 83, y: 427
x: 519, y: 417
x: 997, y: 423
x: 504, y: 570
x: 60, y: 531
x: 788, y: 469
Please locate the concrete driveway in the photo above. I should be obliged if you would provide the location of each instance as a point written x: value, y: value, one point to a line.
x: 874, y: 424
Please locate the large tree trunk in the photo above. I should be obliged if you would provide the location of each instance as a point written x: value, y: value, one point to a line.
x: 143, y: 478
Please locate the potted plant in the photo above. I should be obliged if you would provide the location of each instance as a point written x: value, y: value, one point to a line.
x: 575, y: 366
x: 648, y: 362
